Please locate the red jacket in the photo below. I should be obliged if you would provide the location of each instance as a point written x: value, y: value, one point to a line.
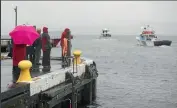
x: 45, y: 38
x: 19, y: 53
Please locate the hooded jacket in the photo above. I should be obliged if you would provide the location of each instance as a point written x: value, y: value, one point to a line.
x: 46, y: 45
x: 64, y: 34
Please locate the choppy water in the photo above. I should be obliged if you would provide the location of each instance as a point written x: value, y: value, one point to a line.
x: 131, y: 76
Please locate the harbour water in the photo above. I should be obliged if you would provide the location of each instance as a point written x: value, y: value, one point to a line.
x: 131, y: 76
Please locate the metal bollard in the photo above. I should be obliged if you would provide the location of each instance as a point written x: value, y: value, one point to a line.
x: 25, y: 66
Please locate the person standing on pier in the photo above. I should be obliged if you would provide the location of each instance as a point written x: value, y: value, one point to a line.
x: 38, y: 47
x: 46, y: 48
x: 19, y: 54
x: 30, y: 55
x: 21, y: 35
x: 64, y: 44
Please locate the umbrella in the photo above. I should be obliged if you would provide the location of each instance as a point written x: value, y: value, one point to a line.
x: 24, y: 34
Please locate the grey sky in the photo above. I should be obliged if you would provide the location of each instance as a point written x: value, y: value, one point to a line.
x: 89, y: 17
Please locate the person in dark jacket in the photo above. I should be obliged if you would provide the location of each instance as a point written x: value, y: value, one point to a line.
x: 46, y: 48
x: 38, y: 47
x: 30, y: 54
x: 19, y: 54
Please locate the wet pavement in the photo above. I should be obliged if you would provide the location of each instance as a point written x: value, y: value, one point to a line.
x: 6, y: 72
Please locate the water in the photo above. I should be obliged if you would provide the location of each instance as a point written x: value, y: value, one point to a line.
x: 131, y: 76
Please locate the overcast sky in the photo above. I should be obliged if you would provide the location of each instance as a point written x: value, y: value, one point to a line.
x: 89, y: 17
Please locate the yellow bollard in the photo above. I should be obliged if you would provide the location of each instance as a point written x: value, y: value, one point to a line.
x: 77, y: 55
x: 25, y: 66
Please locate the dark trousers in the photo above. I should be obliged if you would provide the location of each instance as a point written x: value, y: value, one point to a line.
x: 15, y: 74
x: 30, y: 57
x: 30, y: 54
x: 10, y: 52
x: 63, y: 65
x: 65, y: 61
x: 46, y: 58
x: 37, y: 55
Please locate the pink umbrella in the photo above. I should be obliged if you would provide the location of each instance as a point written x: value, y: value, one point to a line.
x: 24, y: 34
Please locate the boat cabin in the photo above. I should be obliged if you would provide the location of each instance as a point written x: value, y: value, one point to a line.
x: 148, y: 32
x: 105, y: 33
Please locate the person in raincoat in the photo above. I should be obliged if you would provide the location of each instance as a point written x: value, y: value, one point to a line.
x: 46, y: 48
x: 19, y: 54
x: 64, y: 43
x: 38, y: 47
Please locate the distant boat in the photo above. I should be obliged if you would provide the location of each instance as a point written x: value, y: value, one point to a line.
x: 105, y: 33
x: 148, y: 38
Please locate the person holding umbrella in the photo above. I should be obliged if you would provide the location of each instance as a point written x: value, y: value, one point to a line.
x: 19, y: 54
x: 21, y: 35
x: 46, y: 48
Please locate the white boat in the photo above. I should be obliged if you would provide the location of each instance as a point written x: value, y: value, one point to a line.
x: 147, y: 36
x: 105, y: 33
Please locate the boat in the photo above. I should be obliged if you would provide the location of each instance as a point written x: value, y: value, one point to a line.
x: 105, y: 33
x: 148, y: 32
x: 147, y: 36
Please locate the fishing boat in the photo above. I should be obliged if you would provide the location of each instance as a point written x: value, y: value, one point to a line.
x: 147, y: 36
x: 105, y: 33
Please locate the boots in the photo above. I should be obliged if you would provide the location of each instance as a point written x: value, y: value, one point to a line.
x: 46, y: 68
x: 15, y: 76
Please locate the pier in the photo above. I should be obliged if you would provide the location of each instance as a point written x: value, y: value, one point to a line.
x: 57, y: 88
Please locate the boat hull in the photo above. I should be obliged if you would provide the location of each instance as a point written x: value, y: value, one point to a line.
x: 105, y: 36
x: 163, y: 42
x: 144, y: 41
